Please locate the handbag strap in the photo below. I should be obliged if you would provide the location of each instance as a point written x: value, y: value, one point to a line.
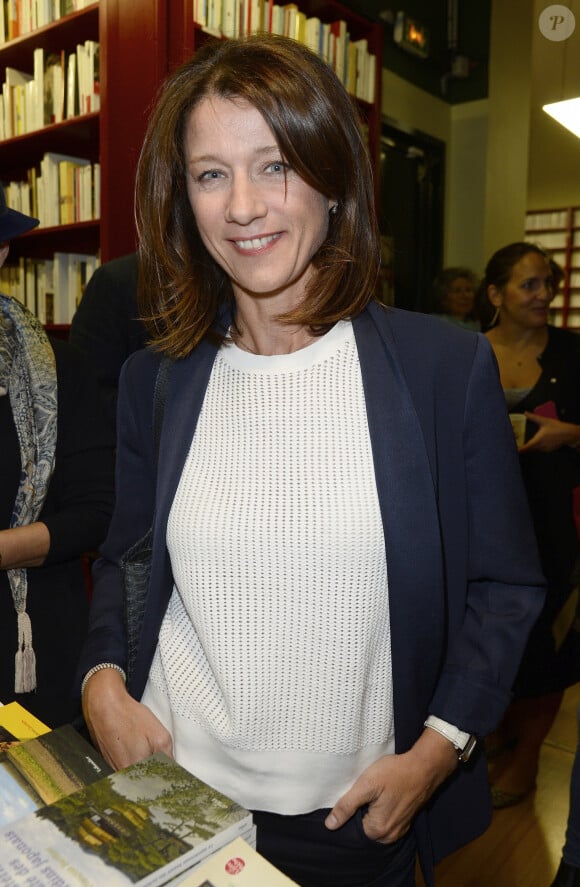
x: 159, y: 394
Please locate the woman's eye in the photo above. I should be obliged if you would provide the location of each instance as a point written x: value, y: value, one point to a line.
x: 277, y: 166
x: 208, y: 175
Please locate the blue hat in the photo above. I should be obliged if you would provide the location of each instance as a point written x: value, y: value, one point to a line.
x: 12, y: 222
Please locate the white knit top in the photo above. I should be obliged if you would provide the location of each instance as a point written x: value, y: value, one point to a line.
x: 273, y: 667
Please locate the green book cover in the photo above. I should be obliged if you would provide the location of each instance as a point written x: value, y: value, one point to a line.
x: 143, y: 825
x: 39, y: 771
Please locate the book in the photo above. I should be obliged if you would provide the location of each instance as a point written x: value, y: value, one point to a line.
x: 143, y: 825
x: 17, y: 724
x: 39, y: 771
x: 236, y: 865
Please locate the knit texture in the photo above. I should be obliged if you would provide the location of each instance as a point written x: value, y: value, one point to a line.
x: 277, y: 638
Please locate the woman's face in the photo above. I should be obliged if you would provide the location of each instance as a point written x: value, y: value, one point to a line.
x: 526, y: 297
x: 257, y: 218
x: 460, y: 297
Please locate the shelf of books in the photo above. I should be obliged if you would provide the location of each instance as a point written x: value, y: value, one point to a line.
x: 349, y: 42
x: 70, y: 137
x: 557, y: 231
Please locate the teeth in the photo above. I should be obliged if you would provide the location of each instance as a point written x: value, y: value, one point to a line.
x: 256, y: 242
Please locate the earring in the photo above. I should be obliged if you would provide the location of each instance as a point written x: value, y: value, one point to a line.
x: 495, y: 317
x: 333, y: 210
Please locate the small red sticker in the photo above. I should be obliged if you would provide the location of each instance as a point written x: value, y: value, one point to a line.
x: 235, y: 865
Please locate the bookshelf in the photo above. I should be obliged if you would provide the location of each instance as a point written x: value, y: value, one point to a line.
x: 132, y: 62
x: 185, y: 35
x: 558, y: 232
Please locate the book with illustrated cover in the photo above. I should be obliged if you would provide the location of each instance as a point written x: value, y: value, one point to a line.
x: 39, y: 771
x: 236, y: 865
x: 16, y: 724
x: 142, y: 825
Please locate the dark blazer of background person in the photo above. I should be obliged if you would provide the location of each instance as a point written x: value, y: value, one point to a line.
x: 76, y: 511
x: 106, y: 325
x: 464, y: 581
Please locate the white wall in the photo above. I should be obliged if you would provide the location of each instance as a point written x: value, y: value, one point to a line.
x: 466, y: 186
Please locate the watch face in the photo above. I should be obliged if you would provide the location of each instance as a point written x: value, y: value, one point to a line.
x: 465, y: 752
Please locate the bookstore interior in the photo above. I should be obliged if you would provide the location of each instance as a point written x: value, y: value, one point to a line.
x: 444, y: 95
x: 465, y: 160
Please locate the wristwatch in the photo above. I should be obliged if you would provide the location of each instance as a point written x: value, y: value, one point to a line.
x: 463, y: 743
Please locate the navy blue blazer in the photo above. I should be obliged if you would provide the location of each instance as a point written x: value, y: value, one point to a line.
x: 465, y: 585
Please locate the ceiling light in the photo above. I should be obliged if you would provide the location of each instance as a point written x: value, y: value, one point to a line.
x: 567, y: 113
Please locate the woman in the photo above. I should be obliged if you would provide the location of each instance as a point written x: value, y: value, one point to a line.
x: 56, y: 500
x: 454, y: 290
x: 316, y: 588
x: 539, y: 370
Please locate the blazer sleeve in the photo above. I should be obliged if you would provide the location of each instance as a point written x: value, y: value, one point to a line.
x: 135, y: 475
x: 505, y: 587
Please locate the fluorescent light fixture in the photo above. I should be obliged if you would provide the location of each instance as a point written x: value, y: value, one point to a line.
x: 567, y: 113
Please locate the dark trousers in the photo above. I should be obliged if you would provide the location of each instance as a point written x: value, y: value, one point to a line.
x: 305, y: 850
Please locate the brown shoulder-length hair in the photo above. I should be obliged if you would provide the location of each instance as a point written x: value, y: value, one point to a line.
x: 317, y: 129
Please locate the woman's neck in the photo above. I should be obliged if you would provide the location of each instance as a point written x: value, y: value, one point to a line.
x: 513, y: 336
x: 260, y: 331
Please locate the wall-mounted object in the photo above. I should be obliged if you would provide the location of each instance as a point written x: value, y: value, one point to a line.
x: 410, y: 35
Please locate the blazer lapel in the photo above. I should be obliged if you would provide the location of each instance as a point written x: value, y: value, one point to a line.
x: 410, y: 524
x: 186, y: 391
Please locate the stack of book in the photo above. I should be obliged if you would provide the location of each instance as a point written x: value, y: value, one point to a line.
x: 66, y: 818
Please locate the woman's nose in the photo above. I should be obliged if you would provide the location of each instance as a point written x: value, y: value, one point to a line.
x: 245, y: 202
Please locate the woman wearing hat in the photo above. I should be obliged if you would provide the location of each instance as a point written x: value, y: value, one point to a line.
x: 56, y: 497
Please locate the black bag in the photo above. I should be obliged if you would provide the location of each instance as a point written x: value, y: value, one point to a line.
x: 136, y: 562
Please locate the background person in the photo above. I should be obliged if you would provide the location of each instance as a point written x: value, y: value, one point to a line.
x: 106, y: 325
x: 454, y: 296
x: 56, y: 499
x: 539, y: 369
x: 322, y: 561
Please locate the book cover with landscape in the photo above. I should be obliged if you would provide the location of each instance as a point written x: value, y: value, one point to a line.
x: 142, y: 825
x: 42, y: 770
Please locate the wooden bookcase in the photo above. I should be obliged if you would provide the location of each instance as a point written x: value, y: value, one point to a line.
x: 558, y: 232
x: 133, y: 61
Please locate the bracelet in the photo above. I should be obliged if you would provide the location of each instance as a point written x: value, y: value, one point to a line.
x: 100, y: 667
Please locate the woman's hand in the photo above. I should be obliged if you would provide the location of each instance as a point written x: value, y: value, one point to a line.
x: 124, y: 730
x: 396, y: 787
x: 551, y: 434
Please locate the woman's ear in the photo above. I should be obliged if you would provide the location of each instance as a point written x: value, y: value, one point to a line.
x: 4, y: 250
x: 494, y: 296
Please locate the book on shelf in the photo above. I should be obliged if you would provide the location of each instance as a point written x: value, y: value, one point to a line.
x: 71, y: 272
x: 12, y: 19
x: 18, y: 724
x: 87, y: 59
x: 54, y: 204
x: 145, y: 824
x: 236, y: 865
x: 41, y: 770
x: 72, y: 92
x: 13, y: 95
x: 54, y: 87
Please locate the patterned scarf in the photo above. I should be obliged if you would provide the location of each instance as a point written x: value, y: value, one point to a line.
x: 28, y: 376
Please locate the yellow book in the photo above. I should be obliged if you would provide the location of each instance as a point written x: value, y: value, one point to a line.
x: 17, y: 724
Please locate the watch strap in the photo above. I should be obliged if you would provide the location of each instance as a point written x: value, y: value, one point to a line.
x: 463, y: 742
